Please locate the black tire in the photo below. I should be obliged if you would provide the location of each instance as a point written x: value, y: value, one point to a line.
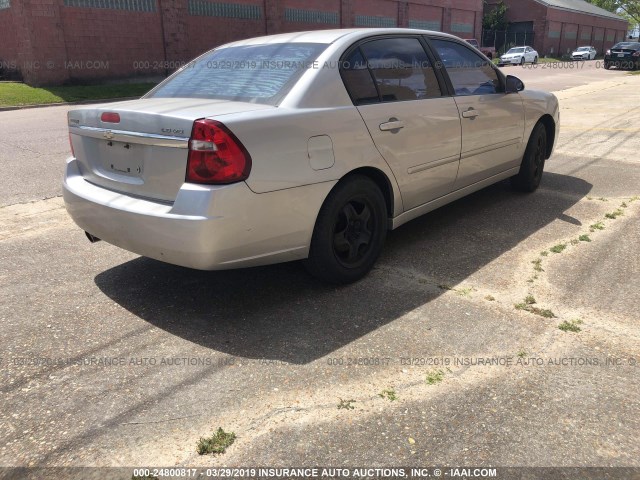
x: 349, y: 233
x: 522, y: 62
x: 535, y: 61
x: 532, y: 166
x: 607, y: 65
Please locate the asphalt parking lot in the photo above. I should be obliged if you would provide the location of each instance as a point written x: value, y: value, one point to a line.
x: 110, y: 359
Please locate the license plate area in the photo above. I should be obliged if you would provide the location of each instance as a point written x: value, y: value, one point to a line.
x: 121, y: 158
x: 621, y: 55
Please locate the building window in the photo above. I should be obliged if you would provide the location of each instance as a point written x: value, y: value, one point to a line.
x: 371, y: 21
x: 462, y: 27
x: 571, y: 35
x: 227, y: 10
x: 554, y: 34
x: 4, y: 4
x: 425, y: 24
x: 585, y: 36
x: 131, y: 5
x: 310, y: 16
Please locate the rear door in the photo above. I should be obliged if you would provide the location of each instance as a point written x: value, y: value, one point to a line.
x: 414, y: 125
x: 492, y: 122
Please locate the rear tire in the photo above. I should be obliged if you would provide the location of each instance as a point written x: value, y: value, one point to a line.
x: 532, y: 166
x: 349, y: 233
x: 535, y: 60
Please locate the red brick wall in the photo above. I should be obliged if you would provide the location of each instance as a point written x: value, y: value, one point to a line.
x: 108, y: 43
x: 8, y: 43
x: 54, y: 43
x: 547, y: 20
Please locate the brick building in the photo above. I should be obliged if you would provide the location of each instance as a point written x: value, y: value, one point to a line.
x: 56, y: 41
x: 559, y: 26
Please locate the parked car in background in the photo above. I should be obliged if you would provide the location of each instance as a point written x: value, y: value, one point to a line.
x: 489, y: 52
x: 584, y: 53
x: 519, y: 56
x: 623, y: 55
x: 302, y: 146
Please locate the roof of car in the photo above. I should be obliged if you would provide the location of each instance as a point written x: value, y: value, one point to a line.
x: 329, y: 36
x: 580, y: 6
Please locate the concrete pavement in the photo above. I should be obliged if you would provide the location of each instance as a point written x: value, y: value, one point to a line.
x: 111, y: 359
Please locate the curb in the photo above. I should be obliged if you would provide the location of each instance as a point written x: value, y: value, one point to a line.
x: 79, y: 102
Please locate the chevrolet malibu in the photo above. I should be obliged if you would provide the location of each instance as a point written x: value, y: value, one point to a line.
x: 302, y: 146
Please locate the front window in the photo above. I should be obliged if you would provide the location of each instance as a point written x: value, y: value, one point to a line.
x: 251, y: 73
x: 470, y: 74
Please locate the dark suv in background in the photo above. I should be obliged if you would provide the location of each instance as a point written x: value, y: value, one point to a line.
x: 623, y: 55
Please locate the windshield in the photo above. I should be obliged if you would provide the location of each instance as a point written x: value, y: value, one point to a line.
x: 516, y: 50
x: 583, y: 49
x: 252, y: 73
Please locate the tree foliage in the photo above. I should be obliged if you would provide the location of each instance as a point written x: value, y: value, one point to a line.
x: 496, y: 18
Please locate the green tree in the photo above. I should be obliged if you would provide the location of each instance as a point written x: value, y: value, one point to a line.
x: 496, y: 18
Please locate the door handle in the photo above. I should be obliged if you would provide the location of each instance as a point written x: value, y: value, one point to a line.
x: 471, y: 113
x: 392, y: 124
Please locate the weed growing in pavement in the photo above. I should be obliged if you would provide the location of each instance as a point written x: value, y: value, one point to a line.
x: 435, y: 376
x: 571, y: 326
x: 346, y: 404
x: 558, y: 248
x: 389, y: 394
x: 216, y: 443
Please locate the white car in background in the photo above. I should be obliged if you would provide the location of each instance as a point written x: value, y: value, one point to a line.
x: 519, y: 56
x: 584, y: 53
x: 303, y: 146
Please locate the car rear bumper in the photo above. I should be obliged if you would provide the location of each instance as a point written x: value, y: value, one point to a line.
x: 207, y: 227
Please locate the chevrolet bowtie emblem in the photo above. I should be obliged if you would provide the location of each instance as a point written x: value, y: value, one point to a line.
x: 108, y: 135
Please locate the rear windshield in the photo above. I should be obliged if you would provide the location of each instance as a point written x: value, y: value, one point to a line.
x: 627, y: 46
x: 252, y: 73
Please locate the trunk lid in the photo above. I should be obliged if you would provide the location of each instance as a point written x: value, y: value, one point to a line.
x: 145, y: 153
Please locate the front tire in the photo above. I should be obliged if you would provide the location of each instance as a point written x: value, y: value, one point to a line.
x: 535, y: 61
x: 530, y: 174
x: 607, y: 65
x: 522, y: 62
x: 349, y: 233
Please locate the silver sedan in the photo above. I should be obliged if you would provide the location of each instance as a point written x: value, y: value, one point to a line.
x: 302, y: 146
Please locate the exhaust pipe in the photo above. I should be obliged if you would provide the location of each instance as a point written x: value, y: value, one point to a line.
x: 92, y: 238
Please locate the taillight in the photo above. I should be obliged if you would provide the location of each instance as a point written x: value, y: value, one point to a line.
x: 110, y: 117
x: 216, y: 155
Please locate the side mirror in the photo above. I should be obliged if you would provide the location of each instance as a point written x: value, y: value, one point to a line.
x: 514, y: 84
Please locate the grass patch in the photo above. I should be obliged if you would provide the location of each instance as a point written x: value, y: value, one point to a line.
x: 528, y: 307
x: 464, y: 292
x: 623, y: 205
x: 544, y: 253
x: 436, y: 376
x: 635, y: 198
x: 596, y: 226
x: 444, y: 286
x: 346, y: 404
x: 537, y: 265
x: 571, y: 326
x: 615, y: 214
x: 216, y: 443
x: 558, y: 248
x: 602, y: 199
x: 529, y: 300
x: 584, y: 238
x: 389, y: 394
x: 16, y: 94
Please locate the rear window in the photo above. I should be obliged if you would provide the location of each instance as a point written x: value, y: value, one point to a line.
x: 252, y: 73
